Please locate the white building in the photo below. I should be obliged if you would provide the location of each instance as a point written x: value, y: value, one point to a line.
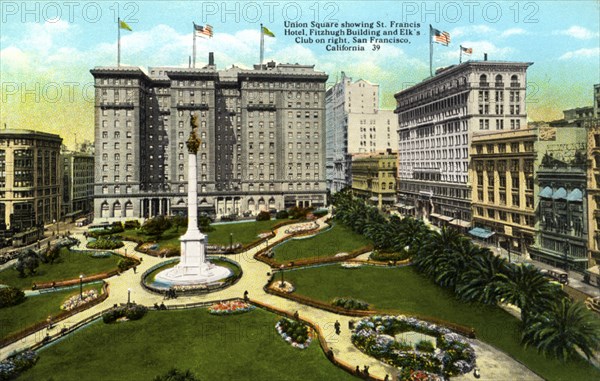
x: 354, y: 125
x: 436, y: 120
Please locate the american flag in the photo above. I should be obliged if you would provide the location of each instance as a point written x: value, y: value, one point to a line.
x: 466, y: 50
x: 203, y: 31
x: 440, y: 37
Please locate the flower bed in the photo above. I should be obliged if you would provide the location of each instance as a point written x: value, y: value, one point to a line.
x: 453, y: 356
x: 301, y: 228
x: 295, y: 333
x: 230, y: 307
x: 12, y: 367
x: 350, y: 304
x: 76, y: 301
x: 101, y: 254
x: 351, y: 265
x: 287, y: 287
x: 131, y: 312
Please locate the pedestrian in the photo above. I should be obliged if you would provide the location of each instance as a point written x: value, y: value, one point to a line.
x: 366, y: 370
x: 357, y: 370
x: 135, y: 269
x: 387, y: 378
x: 296, y: 315
x: 337, y: 327
x: 246, y: 295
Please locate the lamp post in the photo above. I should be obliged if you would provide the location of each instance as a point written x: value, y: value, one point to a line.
x: 230, y: 241
x: 80, y: 286
x: 282, y: 284
x: 508, y: 243
x: 128, y: 297
x: 566, y: 252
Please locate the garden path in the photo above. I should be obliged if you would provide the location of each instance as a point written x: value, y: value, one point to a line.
x: 494, y: 364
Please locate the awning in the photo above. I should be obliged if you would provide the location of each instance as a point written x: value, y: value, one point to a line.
x: 560, y: 193
x: 461, y: 223
x: 388, y: 199
x: 374, y: 198
x: 445, y: 218
x: 481, y: 233
x: 434, y: 215
x: 546, y: 192
x: 399, y: 205
x: 408, y: 207
x: 575, y: 195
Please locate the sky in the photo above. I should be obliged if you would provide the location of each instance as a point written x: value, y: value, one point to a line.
x: 48, y: 48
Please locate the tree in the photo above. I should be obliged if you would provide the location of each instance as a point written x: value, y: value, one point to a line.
x: 52, y: 253
x: 563, y: 329
x: 178, y: 221
x: 527, y: 288
x: 175, y: 374
x: 476, y: 284
x: 156, y: 226
x: 263, y: 216
x: 27, y: 260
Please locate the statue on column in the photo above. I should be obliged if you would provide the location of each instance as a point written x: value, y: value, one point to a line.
x: 194, y: 141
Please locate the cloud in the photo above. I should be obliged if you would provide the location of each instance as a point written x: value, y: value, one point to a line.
x: 471, y: 30
x: 578, y: 32
x: 479, y: 47
x: 581, y: 53
x: 513, y: 32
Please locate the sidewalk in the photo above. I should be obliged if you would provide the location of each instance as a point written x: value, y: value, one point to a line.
x: 494, y: 364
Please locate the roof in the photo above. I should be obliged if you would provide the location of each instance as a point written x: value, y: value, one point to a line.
x: 481, y: 233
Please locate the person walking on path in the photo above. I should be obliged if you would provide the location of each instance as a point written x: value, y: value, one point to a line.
x: 337, y: 327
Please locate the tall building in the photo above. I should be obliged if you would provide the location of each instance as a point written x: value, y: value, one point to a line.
x: 262, y: 132
x: 374, y: 178
x: 355, y: 125
x: 78, y: 184
x: 30, y: 183
x: 437, y: 118
x: 503, y: 187
x: 593, y: 181
x: 562, y: 208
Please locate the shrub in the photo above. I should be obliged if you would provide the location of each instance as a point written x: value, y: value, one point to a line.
x: 296, y: 330
x: 11, y: 296
x: 176, y: 375
x: 377, y: 255
x: 425, y: 346
x: 131, y: 312
x: 350, y: 304
x: 320, y: 213
x: 106, y: 243
x: 296, y: 212
x: 135, y: 312
x: 132, y: 224
x: 156, y: 226
x: 282, y: 214
x: 125, y: 263
x: 263, y: 216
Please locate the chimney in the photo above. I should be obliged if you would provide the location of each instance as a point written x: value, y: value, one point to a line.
x: 211, y: 58
x: 485, y: 56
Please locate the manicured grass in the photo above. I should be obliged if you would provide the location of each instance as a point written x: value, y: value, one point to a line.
x: 238, y: 347
x: 403, y: 290
x: 70, y: 265
x: 243, y: 232
x: 35, y: 309
x: 338, y: 239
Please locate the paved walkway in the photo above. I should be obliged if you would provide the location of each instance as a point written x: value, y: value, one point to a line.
x: 494, y: 364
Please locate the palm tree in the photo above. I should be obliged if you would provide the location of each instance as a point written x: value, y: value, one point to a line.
x: 527, y: 288
x: 476, y: 284
x: 451, y: 264
x: 562, y: 330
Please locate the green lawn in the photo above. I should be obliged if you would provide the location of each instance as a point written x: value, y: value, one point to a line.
x: 338, y: 239
x: 403, y: 290
x: 70, y: 265
x: 243, y: 232
x: 239, y: 347
x: 35, y: 309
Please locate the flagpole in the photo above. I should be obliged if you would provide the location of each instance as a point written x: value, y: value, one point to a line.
x: 194, y: 46
x: 430, y: 51
x: 262, y: 45
x: 118, y: 41
x: 460, y: 55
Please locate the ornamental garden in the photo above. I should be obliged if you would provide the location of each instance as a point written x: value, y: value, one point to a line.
x: 418, y: 299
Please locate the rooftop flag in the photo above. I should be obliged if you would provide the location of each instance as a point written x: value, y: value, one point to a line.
x: 440, y: 37
x: 203, y: 31
x: 466, y: 50
x: 267, y: 32
x: 123, y: 25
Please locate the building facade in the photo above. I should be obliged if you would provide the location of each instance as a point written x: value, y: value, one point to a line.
x: 355, y: 125
x: 30, y: 182
x: 437, y: 118
x: 562, y: 211
x: 503, y: 187
x: 262, y: 132
x: 78, y: 184
x: 374, y: 178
